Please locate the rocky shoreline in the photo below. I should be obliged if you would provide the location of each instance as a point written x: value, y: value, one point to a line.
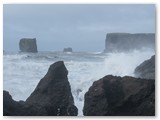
x: 108, y: 96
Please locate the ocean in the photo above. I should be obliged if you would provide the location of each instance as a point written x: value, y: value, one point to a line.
x: 23, y: 71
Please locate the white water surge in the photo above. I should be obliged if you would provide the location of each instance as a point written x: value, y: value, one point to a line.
x: 22, y: 72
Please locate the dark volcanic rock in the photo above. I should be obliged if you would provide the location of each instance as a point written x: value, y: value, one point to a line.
x: 28, y: 45
x: 120, y: 96
x: 67, y: 50
x: 18, y: 108
x: 53, y: 92
x: 11, y: 107
x: 146, y: 69
x: 124, y: 42
x: 52, y: 96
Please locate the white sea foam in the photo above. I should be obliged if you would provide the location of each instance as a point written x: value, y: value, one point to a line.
x: 22, y: 74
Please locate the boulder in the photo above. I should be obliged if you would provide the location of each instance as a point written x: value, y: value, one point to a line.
x: 67, y: 50
x: 52, y: 96
x: 124, y: 42
x: 146, y: 69
x: 120, y: 96
x: 28, y: 45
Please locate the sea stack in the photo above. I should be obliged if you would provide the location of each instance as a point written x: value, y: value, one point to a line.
x: 28, y: 45
x: 69, y: 49
x: 124, y: 42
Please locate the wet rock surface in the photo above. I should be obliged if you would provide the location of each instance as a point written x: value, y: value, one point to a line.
x: 120, y: 96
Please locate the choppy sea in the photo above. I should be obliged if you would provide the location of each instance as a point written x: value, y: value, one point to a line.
x: 23, y: 71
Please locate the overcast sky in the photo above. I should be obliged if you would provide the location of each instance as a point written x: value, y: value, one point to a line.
x: 82, y: 27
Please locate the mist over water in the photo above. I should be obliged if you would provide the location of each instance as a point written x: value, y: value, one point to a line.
x: 23, y: 71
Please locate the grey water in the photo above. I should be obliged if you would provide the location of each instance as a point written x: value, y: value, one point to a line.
x: 23, y: 71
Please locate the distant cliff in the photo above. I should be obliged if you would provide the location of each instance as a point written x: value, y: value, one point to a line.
x: 122, y: 42
x: 28, y: 45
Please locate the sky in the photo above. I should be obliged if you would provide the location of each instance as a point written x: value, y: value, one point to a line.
x: 80, y: 26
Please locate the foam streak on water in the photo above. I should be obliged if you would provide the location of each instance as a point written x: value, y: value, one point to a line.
x: 22, y: 72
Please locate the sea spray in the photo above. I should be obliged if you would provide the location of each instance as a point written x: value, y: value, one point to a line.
x: 22, y: 72
x: 83, y: 74
x: 122, y: 64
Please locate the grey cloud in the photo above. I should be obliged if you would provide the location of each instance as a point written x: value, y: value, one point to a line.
x: 77, y: 25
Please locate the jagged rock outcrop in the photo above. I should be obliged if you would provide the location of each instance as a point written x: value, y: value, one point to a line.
x: 146, y: 69
x: 52, y: 96
x: 67, y: 50
x: 53, y: 92
x: 120, y: 96
x: 124, y: 42
x: 28, y: 45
